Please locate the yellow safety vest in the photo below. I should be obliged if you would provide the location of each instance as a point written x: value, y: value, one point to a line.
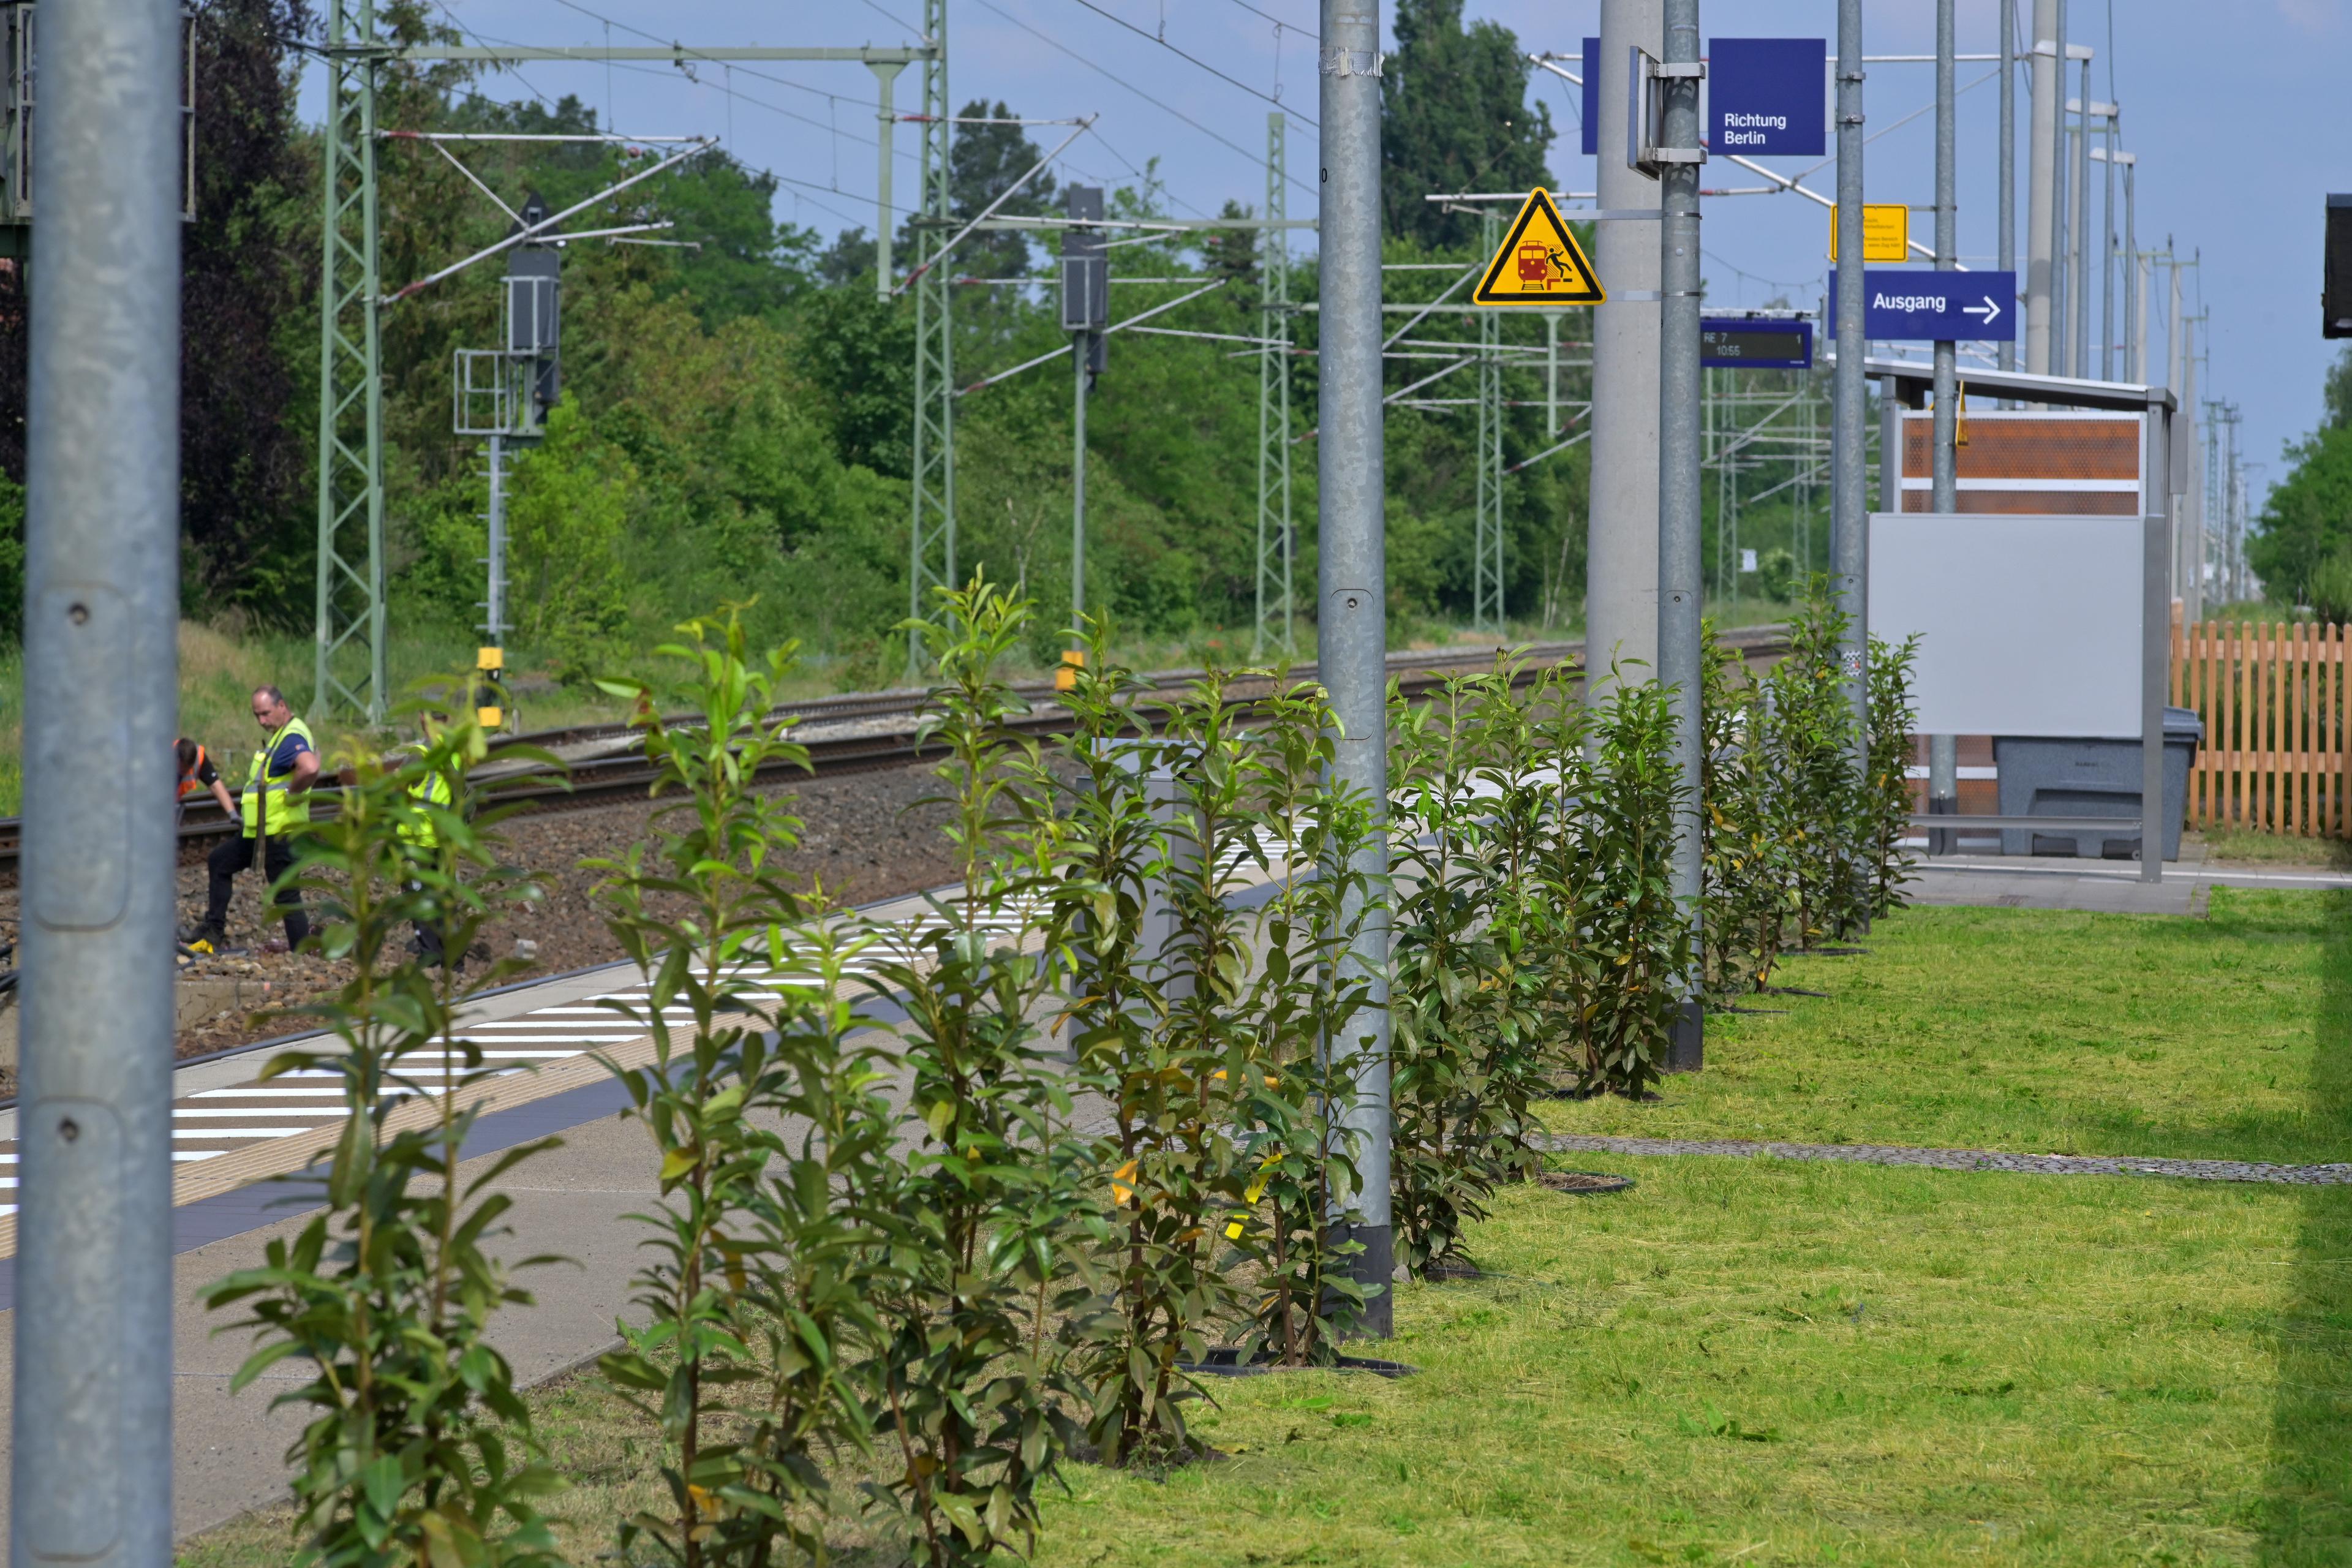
x: 287, y: 812
x: 433, y: 789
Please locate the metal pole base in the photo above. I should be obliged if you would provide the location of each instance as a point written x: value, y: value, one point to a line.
x: 1376, y: 1267
x: 1687, y: 1052
x: 1942, y: 840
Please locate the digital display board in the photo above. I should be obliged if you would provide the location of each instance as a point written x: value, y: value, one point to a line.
x: 1736, y: 343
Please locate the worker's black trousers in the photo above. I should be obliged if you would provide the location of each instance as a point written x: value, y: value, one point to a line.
x: 236, y: 854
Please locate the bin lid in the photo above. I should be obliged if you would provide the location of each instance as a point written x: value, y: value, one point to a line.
x: 2183, y: 724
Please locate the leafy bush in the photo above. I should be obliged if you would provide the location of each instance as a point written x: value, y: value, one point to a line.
x: 971, y: 1371
x: 420, y: 1450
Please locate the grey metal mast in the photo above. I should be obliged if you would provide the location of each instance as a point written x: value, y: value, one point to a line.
x: 1943, y: 751
x: 91, y: 1457
x: 1848, y: 436
x: 1352, y: 585
x: 1679, y: 157
x: 2007, y: 351
x: 2041, y: 175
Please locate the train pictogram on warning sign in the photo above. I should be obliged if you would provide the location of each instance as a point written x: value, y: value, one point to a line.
x: 1540, y: 262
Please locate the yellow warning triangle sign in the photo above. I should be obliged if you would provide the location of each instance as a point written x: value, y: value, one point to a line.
x: 1540, y: 262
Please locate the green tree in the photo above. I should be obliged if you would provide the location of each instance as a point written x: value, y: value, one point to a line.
x: 566, y: 509
x: 2301, y: 547
x: 1454, y: 116
x: 983, y: 163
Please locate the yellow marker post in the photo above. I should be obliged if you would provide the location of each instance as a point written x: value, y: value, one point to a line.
x: 1886, y: 232
x: 1540, y: 262
x: 1065, y: 678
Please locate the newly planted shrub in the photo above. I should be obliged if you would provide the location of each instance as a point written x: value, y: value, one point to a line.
x: 1886, y: 815
x: 971, y: 1381
x: 419, y: 1450
x: 1642, y: 959
x: 1817, y: 785
x: 1306, y: 1008
x: 701, y: 911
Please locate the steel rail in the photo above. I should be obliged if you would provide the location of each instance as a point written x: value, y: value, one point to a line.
x: 593, y: 780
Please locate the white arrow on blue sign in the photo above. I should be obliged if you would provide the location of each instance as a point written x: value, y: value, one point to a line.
x: 1934, y: 306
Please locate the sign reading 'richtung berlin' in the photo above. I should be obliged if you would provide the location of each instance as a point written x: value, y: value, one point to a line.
x: 1768, y: 96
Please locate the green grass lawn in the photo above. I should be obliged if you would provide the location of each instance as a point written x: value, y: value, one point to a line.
x: 1770, y: 1362
x: 2032, y: 1031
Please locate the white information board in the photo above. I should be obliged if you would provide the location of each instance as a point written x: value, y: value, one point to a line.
x: 2027, y: 625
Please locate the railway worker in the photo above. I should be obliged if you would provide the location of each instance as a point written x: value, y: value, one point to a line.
x: 197, y: 774
x: 276, y: 803
x: 431, y: 787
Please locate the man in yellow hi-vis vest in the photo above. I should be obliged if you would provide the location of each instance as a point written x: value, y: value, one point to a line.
x: 275, y: 805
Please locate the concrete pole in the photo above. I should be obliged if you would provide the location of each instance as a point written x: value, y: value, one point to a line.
x: 1943, y: 751
x: 2041, y: 185
x: 886, y: 77
x: 1353, y: 582
x: 2134, y: 291
x: 1679, y: 481
x: 92, y: 1422
x: 2078, y: 239
x: 1620, y: 581
x: 2108, y: 262
x: 2006, y: 352
x: 1850, y: 402
x: 2175, y: 356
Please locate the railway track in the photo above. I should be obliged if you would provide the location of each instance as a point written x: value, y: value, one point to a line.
x: 850, y: 733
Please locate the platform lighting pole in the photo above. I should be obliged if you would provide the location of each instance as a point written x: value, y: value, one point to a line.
x: 2006, y: 352
x: 2107, y: 256
x: 1849, y: 436
x: 1276, y: 553
x: 1680, y: 156
x: 2078, y: 237
x: 91, y: 1424
x: 1352, y: 586
x: 931, y: 562
x: 2042, y: 177
x: 1944, y: 750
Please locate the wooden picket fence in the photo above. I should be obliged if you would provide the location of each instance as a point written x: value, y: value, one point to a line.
x: 2277, y: 721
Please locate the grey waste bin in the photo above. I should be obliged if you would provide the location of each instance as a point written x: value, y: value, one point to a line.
x: 2042, y: 777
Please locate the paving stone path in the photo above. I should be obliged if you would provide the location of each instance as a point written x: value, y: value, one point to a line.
x: 1965, y: 1159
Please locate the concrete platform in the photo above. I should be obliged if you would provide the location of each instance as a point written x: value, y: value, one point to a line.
x: 2065, y: 882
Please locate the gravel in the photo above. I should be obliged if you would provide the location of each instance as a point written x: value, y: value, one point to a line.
x: 865, y: 836
x: 1965, y: 1159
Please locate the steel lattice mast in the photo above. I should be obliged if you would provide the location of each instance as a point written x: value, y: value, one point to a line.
x: 1276, y: 551
x: 931, y: 560
x: 1487, y: 541
x: 350, y: 617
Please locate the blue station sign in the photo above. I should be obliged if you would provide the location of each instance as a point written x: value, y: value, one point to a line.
x: 1754, y: 342
x: 1767, y: 96
x: 1934, y: 306
x: 1589, y: 138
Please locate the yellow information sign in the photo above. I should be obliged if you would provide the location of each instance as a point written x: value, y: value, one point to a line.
x: 1885, y: 231
x: 1540, y: 262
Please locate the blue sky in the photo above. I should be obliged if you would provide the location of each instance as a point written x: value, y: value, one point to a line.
x: 2235, y: 114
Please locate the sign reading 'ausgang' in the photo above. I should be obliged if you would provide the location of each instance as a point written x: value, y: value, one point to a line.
x: 1935, y: 306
